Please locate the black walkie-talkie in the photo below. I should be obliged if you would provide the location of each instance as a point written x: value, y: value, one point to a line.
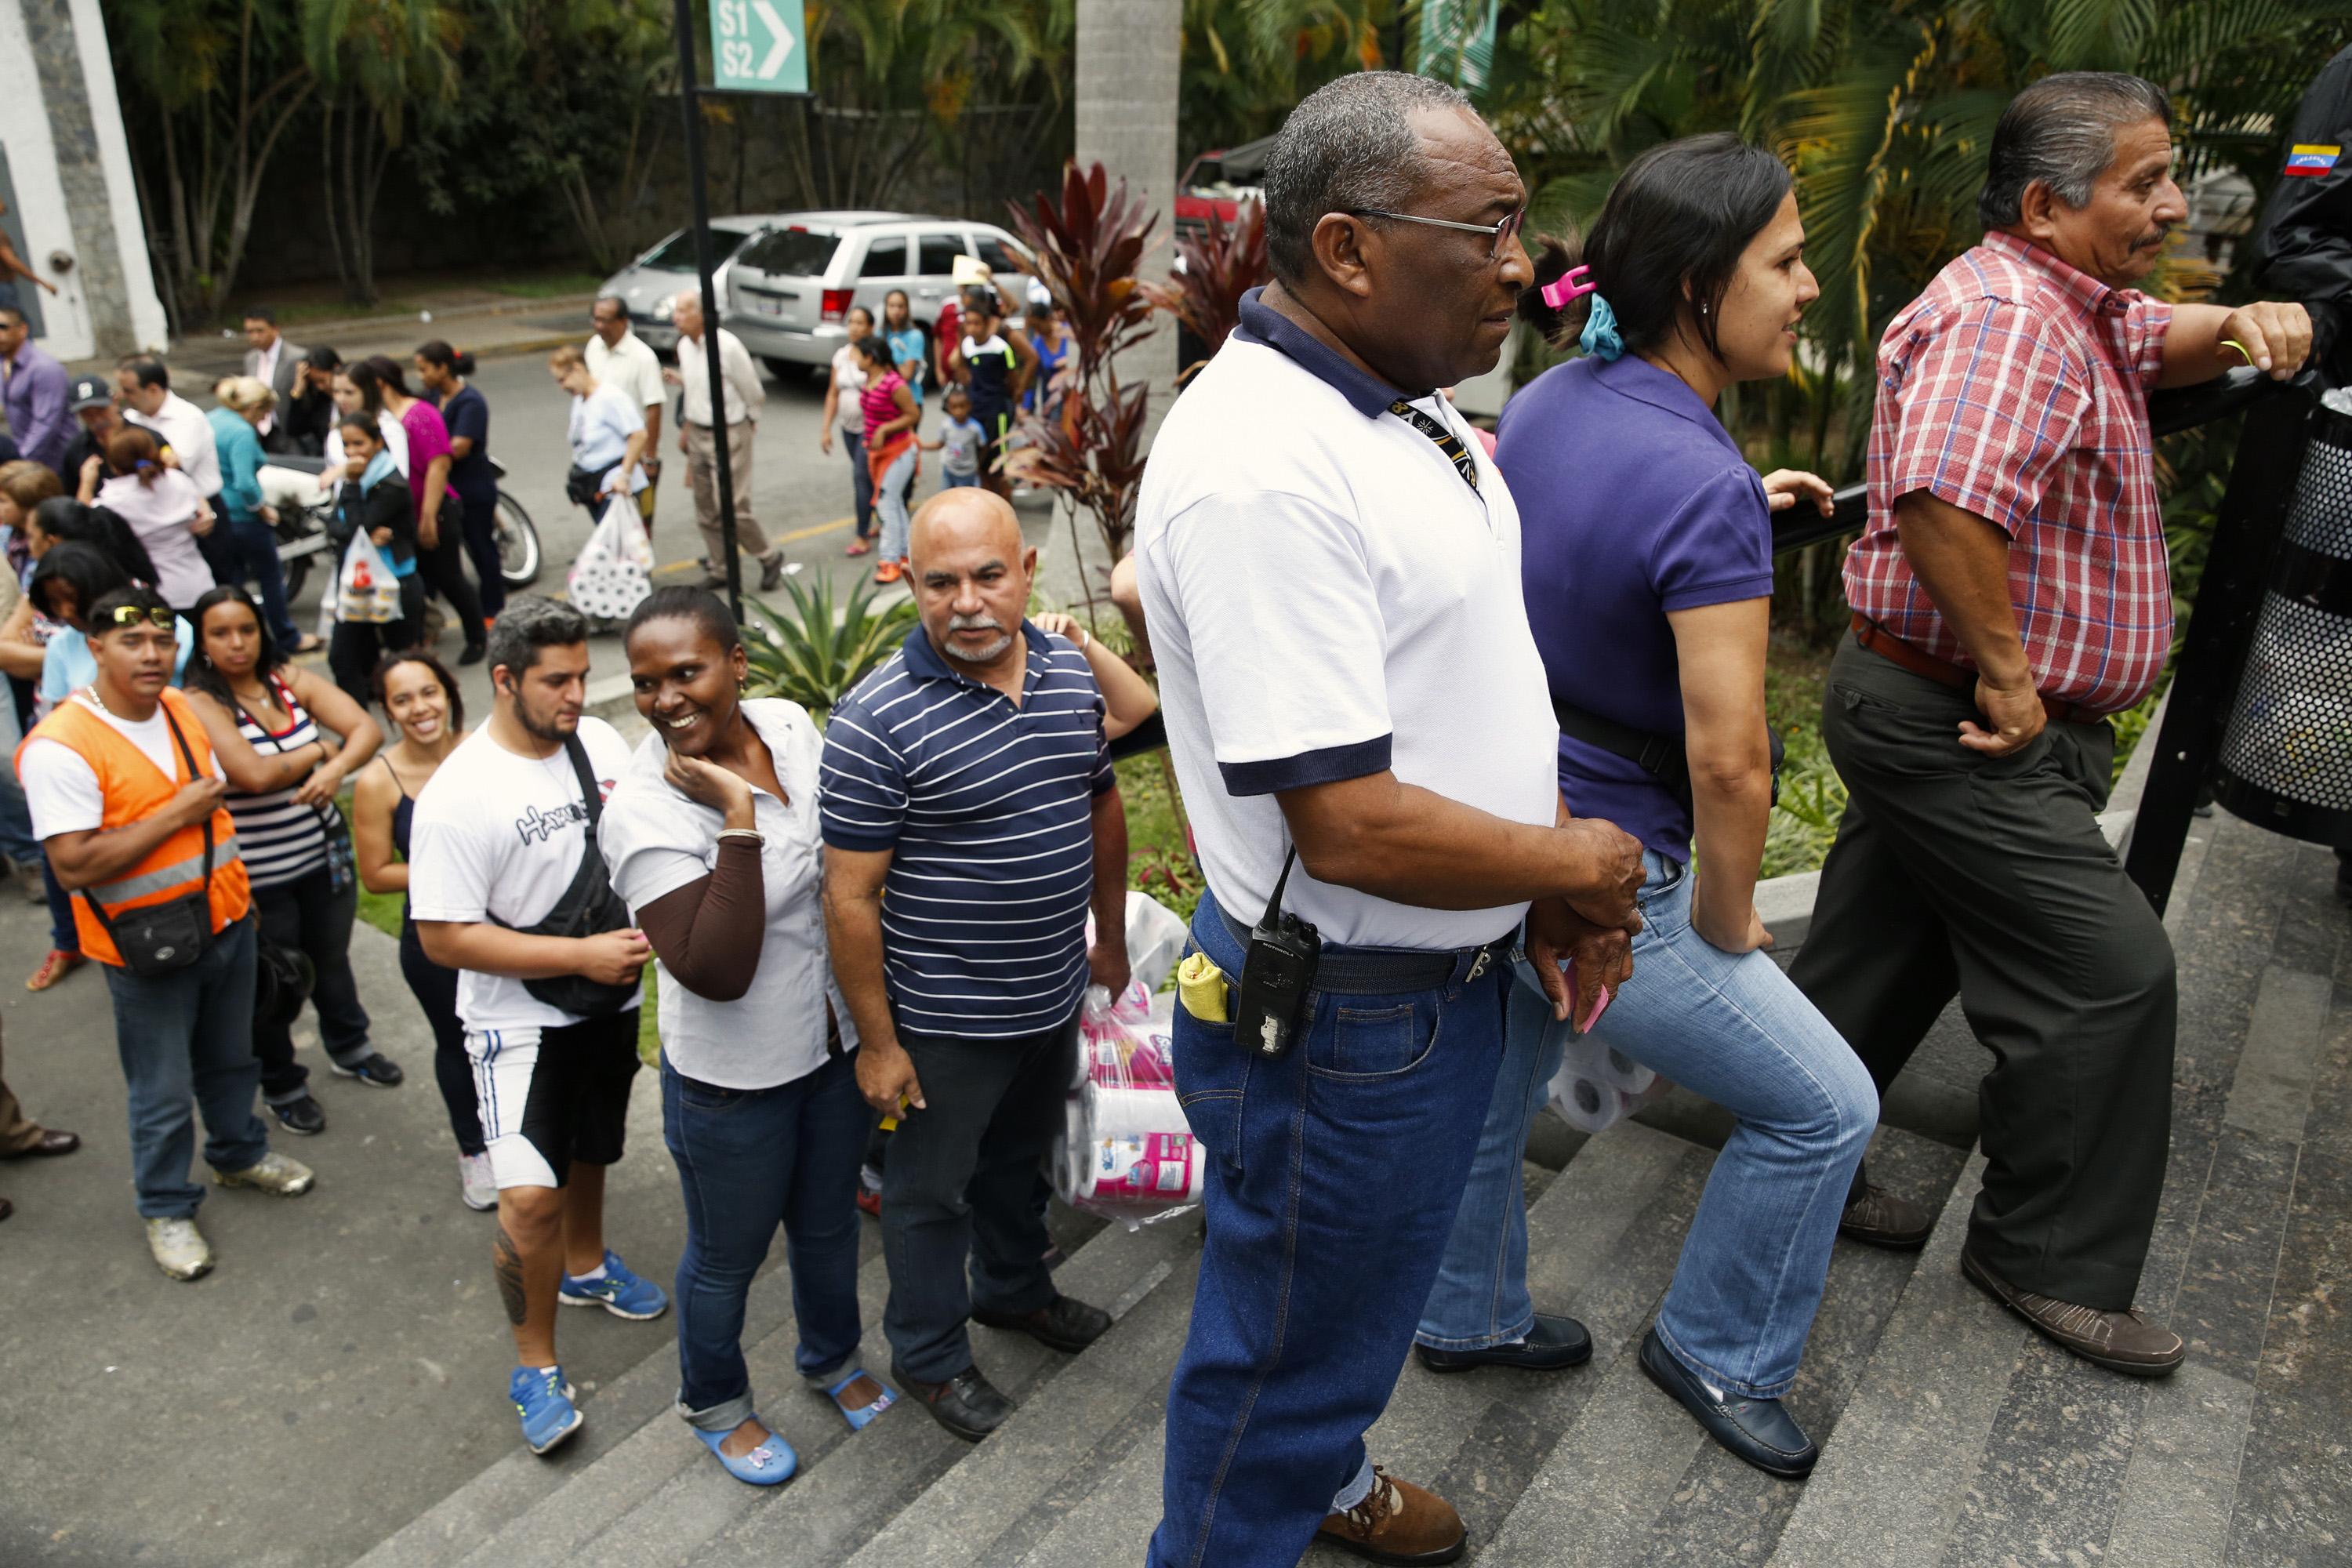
x: 1278, y: 973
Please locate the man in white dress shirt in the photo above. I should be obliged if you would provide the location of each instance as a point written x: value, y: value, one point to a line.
x: 740, y: 385
x: 618, y: 357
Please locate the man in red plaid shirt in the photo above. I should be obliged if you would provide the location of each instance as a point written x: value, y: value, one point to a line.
x: 2010, y: 593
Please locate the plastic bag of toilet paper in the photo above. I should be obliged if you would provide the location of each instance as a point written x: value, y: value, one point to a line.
x: 1597, y: 1087
x: 1126, y: 1152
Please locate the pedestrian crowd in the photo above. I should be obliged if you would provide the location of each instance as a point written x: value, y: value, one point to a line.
x: 1473, y: 745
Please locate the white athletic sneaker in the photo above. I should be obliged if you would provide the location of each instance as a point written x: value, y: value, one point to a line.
x: 180, y: 1248
x: 274, y: 1173
x: 476, y: 1181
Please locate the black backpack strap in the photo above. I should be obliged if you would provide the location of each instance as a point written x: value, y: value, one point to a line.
x: 1660, y: 756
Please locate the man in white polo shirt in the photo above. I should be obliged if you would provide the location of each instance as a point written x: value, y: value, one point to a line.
x: 1330, y: 571
x: 618, y: 357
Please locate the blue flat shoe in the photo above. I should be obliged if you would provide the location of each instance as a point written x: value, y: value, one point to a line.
x: 863, y: 1415
x: 1760, y: 1431
x: 771, y: 1463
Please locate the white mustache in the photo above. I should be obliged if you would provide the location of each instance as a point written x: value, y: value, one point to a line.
x: 974, y: 623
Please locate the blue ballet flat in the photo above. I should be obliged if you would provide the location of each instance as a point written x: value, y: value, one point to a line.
x: 771, y: 1463
x: 863, y: 1415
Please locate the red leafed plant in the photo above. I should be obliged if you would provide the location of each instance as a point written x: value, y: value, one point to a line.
x: 1088, y: 247
x: 1221, y: 263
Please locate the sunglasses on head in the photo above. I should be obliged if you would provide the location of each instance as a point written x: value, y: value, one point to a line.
x: 131, y: 615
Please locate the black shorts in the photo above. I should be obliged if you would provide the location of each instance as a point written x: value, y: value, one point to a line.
x: 549, y: 1097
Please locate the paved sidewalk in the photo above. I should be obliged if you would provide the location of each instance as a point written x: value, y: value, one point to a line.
x: 344, y: 1366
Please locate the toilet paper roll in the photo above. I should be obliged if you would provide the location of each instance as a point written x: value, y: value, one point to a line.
x: 1619, y: 1070
x: 1160, y: 1170
x: 1070, y: 1159
x: 1584, y: 1103
x: 1116, y: 1112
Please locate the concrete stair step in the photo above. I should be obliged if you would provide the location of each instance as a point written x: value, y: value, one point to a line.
x: 1009, y: 1490
x: 1609, y: 1222
x: 657, y: 1489
x: 457, y: 1526
x: 1633, y: 1480
x: 830, y: 1509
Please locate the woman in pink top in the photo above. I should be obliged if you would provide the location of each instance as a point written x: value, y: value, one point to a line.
x: 440, y: 553
x: 891, y: 415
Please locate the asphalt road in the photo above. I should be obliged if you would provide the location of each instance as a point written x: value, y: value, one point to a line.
x: 800, y: 495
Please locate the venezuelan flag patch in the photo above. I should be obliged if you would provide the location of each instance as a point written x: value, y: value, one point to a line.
x: 2310, y: 162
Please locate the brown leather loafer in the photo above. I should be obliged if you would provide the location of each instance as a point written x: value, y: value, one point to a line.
x: 2120, y: 1341
x: 1397, y: 1522
x: 48, y: 1145
x: 1879, y: 1218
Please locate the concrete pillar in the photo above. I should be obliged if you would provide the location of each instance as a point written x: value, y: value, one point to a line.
x: 1128, y: 68
x: 73, y: 198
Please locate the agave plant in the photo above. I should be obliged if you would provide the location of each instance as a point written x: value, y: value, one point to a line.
x: 822, y: 650
x: 1221, y: 263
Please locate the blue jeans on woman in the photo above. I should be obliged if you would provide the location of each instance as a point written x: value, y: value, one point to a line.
x: 252, y: 550
x: 482, y: 549
x: 1732, y: 1028
x: 861, y: 482
x: 1331, y: 1181
x: 748, y: 1160
x: 890, y: 500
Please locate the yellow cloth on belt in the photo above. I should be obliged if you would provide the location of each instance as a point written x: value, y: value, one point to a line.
x: 1200, y: 987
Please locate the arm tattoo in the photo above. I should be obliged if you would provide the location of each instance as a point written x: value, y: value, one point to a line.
x: 506, y: 1264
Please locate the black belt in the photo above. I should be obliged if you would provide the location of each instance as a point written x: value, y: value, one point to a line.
x: 1391, y: 970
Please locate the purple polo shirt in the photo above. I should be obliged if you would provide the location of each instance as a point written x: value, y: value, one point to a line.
x: 1633, y: 502
x: 33, y: 386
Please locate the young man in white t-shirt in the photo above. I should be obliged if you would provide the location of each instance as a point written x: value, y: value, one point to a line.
x: 499, y: 840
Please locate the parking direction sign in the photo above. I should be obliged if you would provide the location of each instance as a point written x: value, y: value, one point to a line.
x: 757, y: 46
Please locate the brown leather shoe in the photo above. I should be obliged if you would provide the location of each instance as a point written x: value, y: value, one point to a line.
x: 1397, y: 1522
x: 2121, y: 1342
x: 49, y: 1144
x: 1879, y: 1218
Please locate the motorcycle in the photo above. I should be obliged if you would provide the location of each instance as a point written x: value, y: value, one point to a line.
x: 301, y: 529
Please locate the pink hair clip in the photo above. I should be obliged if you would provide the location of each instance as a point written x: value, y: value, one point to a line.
x: 1568, y: 286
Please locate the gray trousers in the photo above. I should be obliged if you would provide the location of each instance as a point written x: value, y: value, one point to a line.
x: 1989, y: 877
x: 702, y: 478
x: 960, y: 1188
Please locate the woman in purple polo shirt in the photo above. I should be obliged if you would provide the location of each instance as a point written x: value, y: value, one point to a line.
x: 1647, y: 563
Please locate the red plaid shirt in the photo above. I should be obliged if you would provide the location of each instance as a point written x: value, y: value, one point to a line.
x: 2016, y: 387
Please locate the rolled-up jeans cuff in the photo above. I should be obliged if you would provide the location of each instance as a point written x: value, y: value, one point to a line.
x: 723, y: 1416
x: 1356, y: 1490
x: 1477, y: 1342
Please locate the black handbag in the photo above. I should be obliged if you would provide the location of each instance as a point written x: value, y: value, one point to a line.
x: 163, y: 939
x: 589, y: 907
x: 581, y: 486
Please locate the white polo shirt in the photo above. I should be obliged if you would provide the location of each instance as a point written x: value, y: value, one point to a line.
x: 1328, y: 598
x: 632, y: 365
x: 182, y: 426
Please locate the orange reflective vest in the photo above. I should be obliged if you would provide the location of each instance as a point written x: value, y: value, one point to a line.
x: 134, y: 791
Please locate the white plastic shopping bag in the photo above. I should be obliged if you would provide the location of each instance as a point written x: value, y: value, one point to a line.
x: 367, y: 592
x: 614, y: 572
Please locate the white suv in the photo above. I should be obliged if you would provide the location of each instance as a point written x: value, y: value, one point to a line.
x: 789, y: 291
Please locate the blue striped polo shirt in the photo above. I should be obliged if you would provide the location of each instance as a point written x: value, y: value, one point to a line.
x: 988, y: 811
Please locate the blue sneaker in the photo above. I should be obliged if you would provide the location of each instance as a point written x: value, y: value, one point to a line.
x: 543, y: 1400
x: 620, y: 1292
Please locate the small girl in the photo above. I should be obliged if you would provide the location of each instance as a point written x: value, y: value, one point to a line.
x: 374, y: 496
x: 961, y: 437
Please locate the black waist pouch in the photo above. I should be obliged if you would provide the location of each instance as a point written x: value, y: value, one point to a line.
x: 589, y: 907
x: 581, y: 486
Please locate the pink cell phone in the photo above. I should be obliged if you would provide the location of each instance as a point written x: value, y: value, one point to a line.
x: 1600, y: 1002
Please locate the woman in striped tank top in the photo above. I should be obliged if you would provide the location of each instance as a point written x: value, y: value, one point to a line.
x: 264, y: 718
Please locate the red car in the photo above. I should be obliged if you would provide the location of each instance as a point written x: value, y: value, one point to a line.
x: 1219, y: 182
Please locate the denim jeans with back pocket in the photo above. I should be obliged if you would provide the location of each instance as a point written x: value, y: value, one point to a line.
x: 1332, y: 1177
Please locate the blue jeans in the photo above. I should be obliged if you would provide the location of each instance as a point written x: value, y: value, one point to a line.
x: 253, y: 548
x: 1332, y: 1178
x: 184, y: 1035
x: 16, y: 840
x: 861, y: 482
x: 1735, y: 1030
x: 955, y: 482
x: 482, y: 549
x: 748, y: 1159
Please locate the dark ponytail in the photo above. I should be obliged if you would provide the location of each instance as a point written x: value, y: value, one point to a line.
x: 1669, y: 238
x: 441, y: 356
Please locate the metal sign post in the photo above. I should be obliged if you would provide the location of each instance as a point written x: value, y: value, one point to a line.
x: 770, y: 57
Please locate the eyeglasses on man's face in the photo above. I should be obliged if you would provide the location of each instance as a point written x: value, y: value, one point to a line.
x: 1502, y: 231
